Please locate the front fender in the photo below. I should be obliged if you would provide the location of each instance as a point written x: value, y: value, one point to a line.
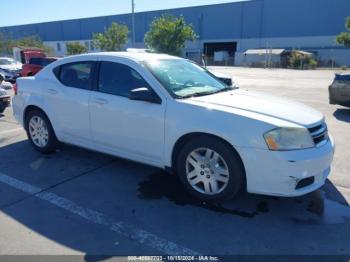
x: 238, y: 130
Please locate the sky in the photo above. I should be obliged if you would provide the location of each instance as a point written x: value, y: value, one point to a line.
x: 17, y: 12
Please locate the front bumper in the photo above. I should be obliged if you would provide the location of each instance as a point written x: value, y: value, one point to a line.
x: 281, y: 173
x: 11, y: 77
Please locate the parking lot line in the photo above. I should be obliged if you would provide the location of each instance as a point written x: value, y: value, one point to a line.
x: 124, y: 229
x: 11, y: 131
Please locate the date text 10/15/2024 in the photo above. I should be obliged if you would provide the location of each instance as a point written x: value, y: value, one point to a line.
x: 173, y: 258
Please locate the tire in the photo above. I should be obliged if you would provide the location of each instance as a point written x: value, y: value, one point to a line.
x: 45, y: 140
x: 223, y: 174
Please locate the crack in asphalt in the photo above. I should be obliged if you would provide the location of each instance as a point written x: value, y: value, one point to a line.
x: 3, y: 207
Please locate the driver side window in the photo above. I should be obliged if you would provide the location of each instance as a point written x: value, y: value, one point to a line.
x: 118, y: 79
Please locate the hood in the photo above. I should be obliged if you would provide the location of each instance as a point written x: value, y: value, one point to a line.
x: 267, y: 105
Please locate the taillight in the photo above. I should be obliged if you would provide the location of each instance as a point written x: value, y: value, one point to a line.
x: 15, y: 88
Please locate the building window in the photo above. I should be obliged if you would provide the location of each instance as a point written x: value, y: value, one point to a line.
x: 59, y: 47
x: 92, y: 48
x: 87, y: 45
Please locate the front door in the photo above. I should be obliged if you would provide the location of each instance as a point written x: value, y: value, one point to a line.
x: 130, y: 129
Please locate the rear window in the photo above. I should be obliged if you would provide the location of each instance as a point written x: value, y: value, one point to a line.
x: 77, y: 75
x: 342, y: 77
x: 41, y: 61
x: 47, y: 61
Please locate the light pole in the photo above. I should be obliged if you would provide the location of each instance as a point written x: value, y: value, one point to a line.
x: 133, y: 22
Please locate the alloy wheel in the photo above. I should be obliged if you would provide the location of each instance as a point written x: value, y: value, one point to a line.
x: 207, y: 171
x: 38, y: 131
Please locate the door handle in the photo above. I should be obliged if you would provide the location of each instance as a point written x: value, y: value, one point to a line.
x: 100, y: 101
x: 53, y: 91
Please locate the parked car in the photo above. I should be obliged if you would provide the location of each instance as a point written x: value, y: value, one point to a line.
x: 24, y: 54
x: 339, y: 90
x: 170, y: 113
x: 4, y: 100
x: 9, y: 69
x: 35, y: 65
x: 5, y: 85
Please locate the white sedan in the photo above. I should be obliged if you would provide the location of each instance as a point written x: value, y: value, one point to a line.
x: 170, y: 113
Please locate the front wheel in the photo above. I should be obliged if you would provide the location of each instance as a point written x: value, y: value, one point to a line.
x: 40, y: 132
x: 210, y: 169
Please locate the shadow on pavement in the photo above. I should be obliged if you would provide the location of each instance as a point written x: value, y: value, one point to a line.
x: 332, y: 193
x: 342, y: 114
x: 165, y: 195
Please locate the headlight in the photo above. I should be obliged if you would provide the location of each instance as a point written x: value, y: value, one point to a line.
x: 283, y: 139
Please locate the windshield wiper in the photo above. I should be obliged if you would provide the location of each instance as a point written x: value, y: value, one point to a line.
x: 226, y: 89
x: 207, y: 93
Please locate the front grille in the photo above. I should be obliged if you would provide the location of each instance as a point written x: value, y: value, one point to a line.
x: 319, y: 133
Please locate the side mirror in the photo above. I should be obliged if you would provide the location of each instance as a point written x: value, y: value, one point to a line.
x: 144, y: 94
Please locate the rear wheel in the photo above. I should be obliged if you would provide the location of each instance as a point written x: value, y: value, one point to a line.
x: 210, y: 169
x: 40, y: 132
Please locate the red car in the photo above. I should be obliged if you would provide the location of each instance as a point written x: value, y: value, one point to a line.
x: 36, y: 64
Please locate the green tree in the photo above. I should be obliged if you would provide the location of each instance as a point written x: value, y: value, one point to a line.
x: 75, y: 48
x: 6, y: 44
x: 169, y: 34
x: 344, y: 37
x: 113, y: 38
x: 30, y: 42
x: 302, y: 61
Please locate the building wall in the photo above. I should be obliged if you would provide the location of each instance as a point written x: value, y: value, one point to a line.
x: 252, y: 24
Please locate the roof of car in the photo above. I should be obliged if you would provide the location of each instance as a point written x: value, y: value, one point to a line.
x: 138, y: 56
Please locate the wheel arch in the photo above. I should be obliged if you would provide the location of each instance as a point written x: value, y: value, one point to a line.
x: 31, y: 108
x: 187, y: 137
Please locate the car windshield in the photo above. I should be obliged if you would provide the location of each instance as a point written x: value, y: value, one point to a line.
x: 7, y: 62
x: 183, y: 78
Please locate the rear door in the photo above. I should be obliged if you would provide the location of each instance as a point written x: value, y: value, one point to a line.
x: 69, y: 99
